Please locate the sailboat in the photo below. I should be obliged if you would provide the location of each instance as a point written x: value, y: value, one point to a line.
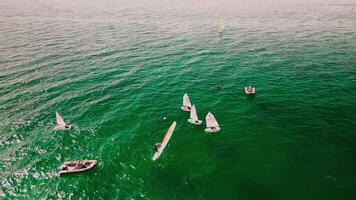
x: 186, y: 103
x: 250, y: 90
x: 61, y: 125
x: 194, y: 117
x: 212, y: 125
x: 165, y: 140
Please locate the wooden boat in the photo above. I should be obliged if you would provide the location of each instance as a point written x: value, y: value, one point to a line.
x: 194, y: 117
x: 77, y: 166
x: 187, y: 106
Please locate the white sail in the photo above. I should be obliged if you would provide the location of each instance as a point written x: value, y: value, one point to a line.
x: 211, y: 121
x: 186, y: 101
x: 60, y: 121
x: 165, y: 140
x: 193, y: 114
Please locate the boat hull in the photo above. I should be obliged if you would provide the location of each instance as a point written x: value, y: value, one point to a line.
x: 165, y: 141
x: 196, y: 122
x: 63, y: 128
x: 212, y: 130
x: 157, y: 155
x: 250, y: 92
x: 70, y: 167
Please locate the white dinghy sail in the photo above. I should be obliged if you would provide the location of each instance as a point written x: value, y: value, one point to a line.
x: 61, y: 125
x: 186, y: 103
x: 212, y: 125
x: 194, y: 117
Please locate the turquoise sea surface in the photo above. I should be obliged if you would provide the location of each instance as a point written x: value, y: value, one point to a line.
x: 117, y: 71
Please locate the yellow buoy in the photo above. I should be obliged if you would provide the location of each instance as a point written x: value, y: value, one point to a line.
x: 221, y: 25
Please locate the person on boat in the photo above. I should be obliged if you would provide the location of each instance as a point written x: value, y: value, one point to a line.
x: 77, y: 165
x: 196, y: 121
x: 66, y: 126
x: 157, y: 146
x: 82, y: 166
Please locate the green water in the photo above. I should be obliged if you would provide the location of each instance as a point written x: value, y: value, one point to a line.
x: 117, y: 71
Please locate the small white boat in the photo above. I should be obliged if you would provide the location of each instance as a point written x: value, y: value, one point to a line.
x: 212, y: 125
x: 77, y: 166
x: 250, y: 90
x: 165, y: 140
x: 187, y: 106
x: 194, y: 117
x: 61, y: 125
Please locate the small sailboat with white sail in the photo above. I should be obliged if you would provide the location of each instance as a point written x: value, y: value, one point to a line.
x: 212, y: 125
x: 159, y: 147
x: 61, y: 125
x: 187, y: 106
x: 194, y: 117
